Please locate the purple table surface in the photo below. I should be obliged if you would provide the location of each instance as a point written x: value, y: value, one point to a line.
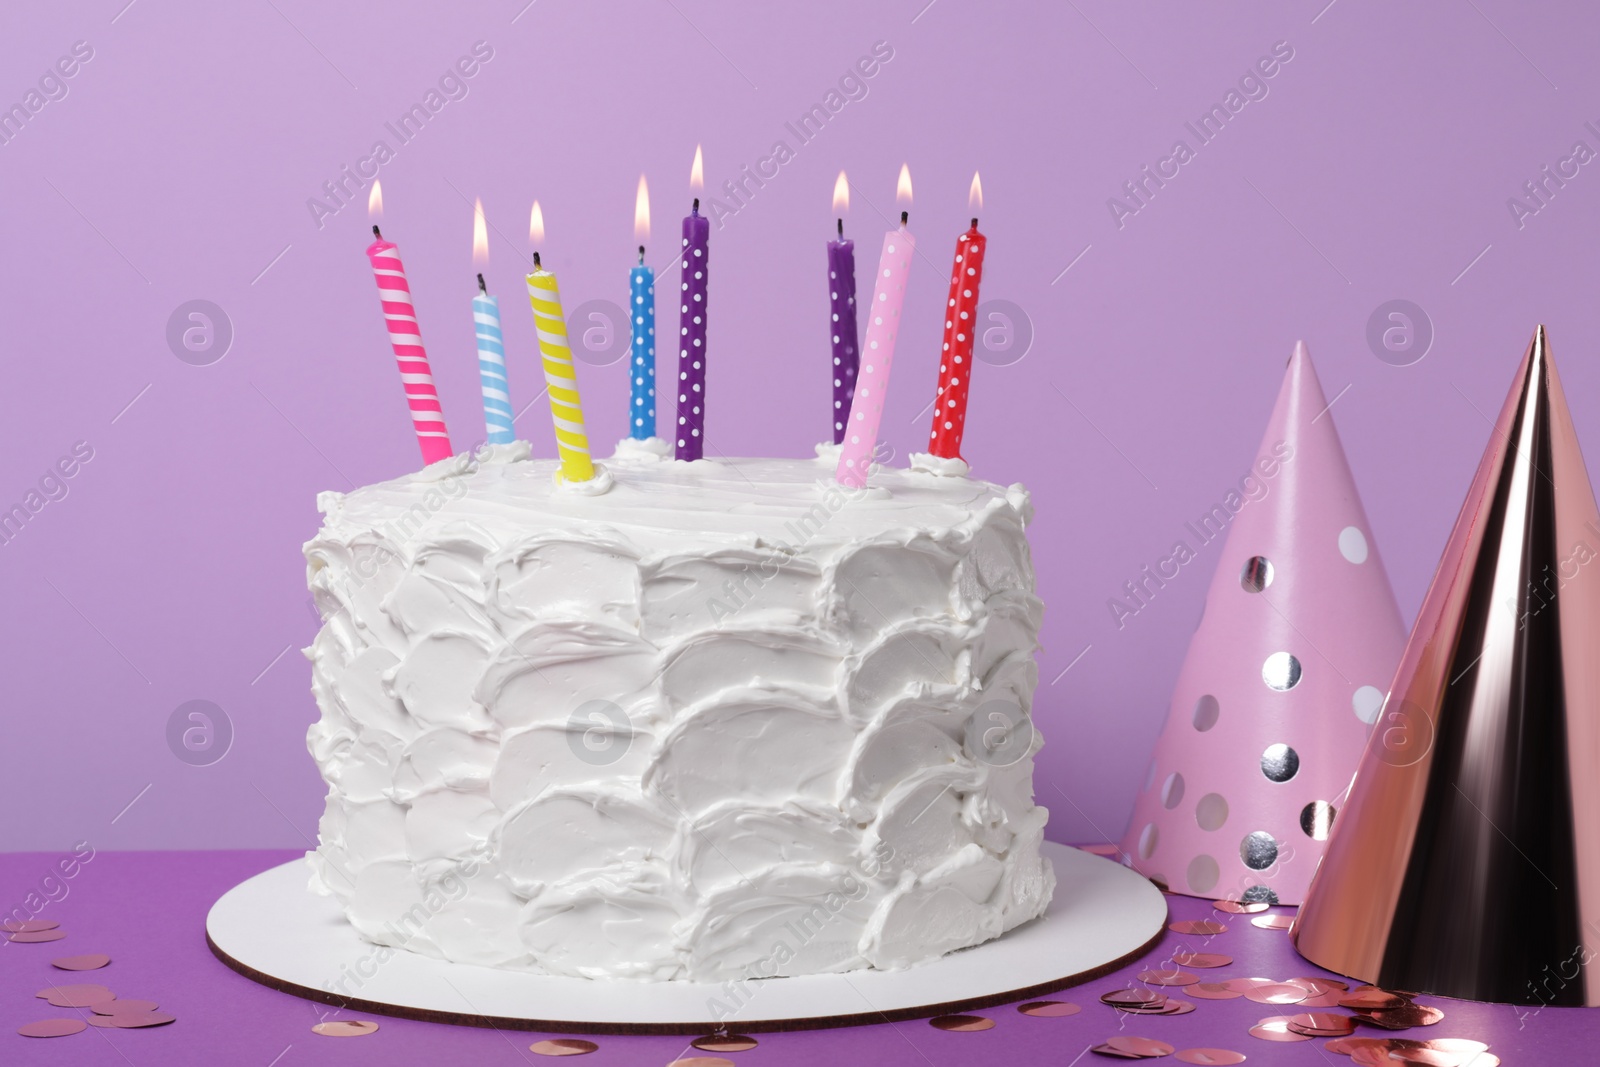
x: 147, y: 911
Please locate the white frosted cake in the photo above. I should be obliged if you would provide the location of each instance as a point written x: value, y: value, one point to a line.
x: 725, y: 719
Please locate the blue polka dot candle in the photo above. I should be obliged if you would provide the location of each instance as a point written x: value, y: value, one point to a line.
x: 842, y: 309
x: 642, y: 313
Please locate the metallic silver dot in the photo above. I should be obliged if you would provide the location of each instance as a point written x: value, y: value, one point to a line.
x: 1259, y: 894
x: 1203, y: 873
x: 1256, y: 575
x: 1316, y: 819
x: 1211, y: 812
x: 1172, y: 790
x: 1149, y: 837
x: 1281, y: 671
x: 1206, y: 710
x: 1258, y: 850
x: 1280, y: 763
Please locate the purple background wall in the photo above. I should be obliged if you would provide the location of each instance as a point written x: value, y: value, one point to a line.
x: 179, y: 164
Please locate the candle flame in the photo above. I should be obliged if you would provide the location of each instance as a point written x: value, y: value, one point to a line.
x: 641, y: 212
x: 975, y: 195
x: 841, y: 194
x: 536, y: 226
x: 902, y: 191
x: 697, y: 173
x: 375, y: 201
x: 480, y: 236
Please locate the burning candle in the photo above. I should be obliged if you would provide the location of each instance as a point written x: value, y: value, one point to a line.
x: 642, y: 311
x: 400, y: 317
x: 491, y: 345
x: 551, y: 325
x: 692, y: 323
x: 877, y: 357
x: 960, y: 325
x: 842, y: 303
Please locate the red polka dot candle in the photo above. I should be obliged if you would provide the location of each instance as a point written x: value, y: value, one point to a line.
x: 960, y: 324
x: 400, y: 317
x: 877, y: 353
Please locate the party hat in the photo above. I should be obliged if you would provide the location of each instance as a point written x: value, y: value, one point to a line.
x: 1467, y: 860
x: 1284, y: 675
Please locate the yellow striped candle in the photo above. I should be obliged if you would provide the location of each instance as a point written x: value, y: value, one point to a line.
x: 565, y: 408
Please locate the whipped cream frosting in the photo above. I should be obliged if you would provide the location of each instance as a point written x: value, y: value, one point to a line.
x: 725, y: 720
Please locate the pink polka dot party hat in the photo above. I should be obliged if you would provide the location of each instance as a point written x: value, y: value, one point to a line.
x: 1287, y: 671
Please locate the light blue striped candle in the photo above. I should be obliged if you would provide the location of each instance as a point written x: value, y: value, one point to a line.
x: 642, y: 311
x: 492, y: 367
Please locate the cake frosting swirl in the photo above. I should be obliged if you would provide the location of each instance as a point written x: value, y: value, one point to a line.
x: 727, y: 719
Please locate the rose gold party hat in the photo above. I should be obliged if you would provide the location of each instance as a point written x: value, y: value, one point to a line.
x: 1284, y: 676
x: 1467, y: 860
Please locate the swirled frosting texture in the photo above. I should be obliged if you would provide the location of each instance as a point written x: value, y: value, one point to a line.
x: 727, y: 720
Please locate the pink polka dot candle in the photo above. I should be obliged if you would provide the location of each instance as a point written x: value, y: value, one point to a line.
x: 960, y: 324
x: 877, y: 351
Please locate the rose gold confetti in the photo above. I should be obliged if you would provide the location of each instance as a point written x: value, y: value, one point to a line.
x: 345, y: 1028
x: 1403, y: 1017
x: 1212, y: 991
x: 724, y: 1043
x: 1322, y: 1024
x: 701, y: 1061
x: 1433, y: 1057
x: 1370, y: 998
x: 1164, y: 977
x: 1450, y: 1044
x: 1107, y: 1050
x: 1139, y: 1046
x: 1326, y: 1000
x: 1048, y: 1009
x: 1119, y: 997
x: 53, y: 1028
x: 28, y: 926
x: 1203, y: 960
x: 1276, y: 1028
x: 1197, y: 926
x: 1367, y: 1056
x: 1275, y: 993
x: 1273, y: 922
x: 1173, y: 1007
x: 36, y: 937
x: 122, y: 1007
x: 1215, y: 1056
x: 1241, y: 907
x: 74, y: 996
x: 81, y: 963
x: 563, y: 1046
x: 134, y: 1020
x: 1318, y: 986
x: 1102, y: 850
x: 962, y: 1024
x: 1348, y: 1046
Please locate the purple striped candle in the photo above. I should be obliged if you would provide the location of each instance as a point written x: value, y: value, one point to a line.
x: 427, y: 417
x: 692, y: 335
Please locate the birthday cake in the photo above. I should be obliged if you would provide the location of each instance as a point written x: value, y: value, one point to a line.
x: 713, y: 720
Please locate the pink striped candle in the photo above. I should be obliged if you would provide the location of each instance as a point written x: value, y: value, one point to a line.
x: 427, y: 417
x: 877, y: 357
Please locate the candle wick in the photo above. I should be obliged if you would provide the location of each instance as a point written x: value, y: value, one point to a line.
x: 484, y: 289
x: 641, y: 255
x: 696, y: 209
x: 905, y: 216
x: 841, y: 228
x: 974, y: 222
x: 536, y: 261
x: 376, y: 233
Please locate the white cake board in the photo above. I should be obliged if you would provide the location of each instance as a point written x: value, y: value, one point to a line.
x: 274, y: 930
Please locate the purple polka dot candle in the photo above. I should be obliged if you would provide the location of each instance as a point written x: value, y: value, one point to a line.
x: 692, y: 327
x: 842, y: 309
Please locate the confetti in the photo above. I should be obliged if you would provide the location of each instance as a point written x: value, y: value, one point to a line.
x: 134, y: 1020
x: 961, y: 1024
x: 36, y: 937
x: 1197, y: 926
x: 53, y: 1028
x: 1213, y: 991
x: 345, y: 1028
x: 1322, y: 1024
x: 1276, y: 993
x: 563, y: 1046
x: 724, y: 1043
x: 28, y: 926
x: 122, y: 1007
x: 1276, y: 1028
x: 1118, y: 998
x: 1211, y: 1056
x: 1139, y: 1046
x: 1239, y: 907
x: 1273, y: 922
x: 1203, y: 960
x: 1165, y: 977
x: 701, y: 1061
x: 75, y: 996
x: 81, y: 963
x: 1403, y: 1017
x: 1048, y: 1009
